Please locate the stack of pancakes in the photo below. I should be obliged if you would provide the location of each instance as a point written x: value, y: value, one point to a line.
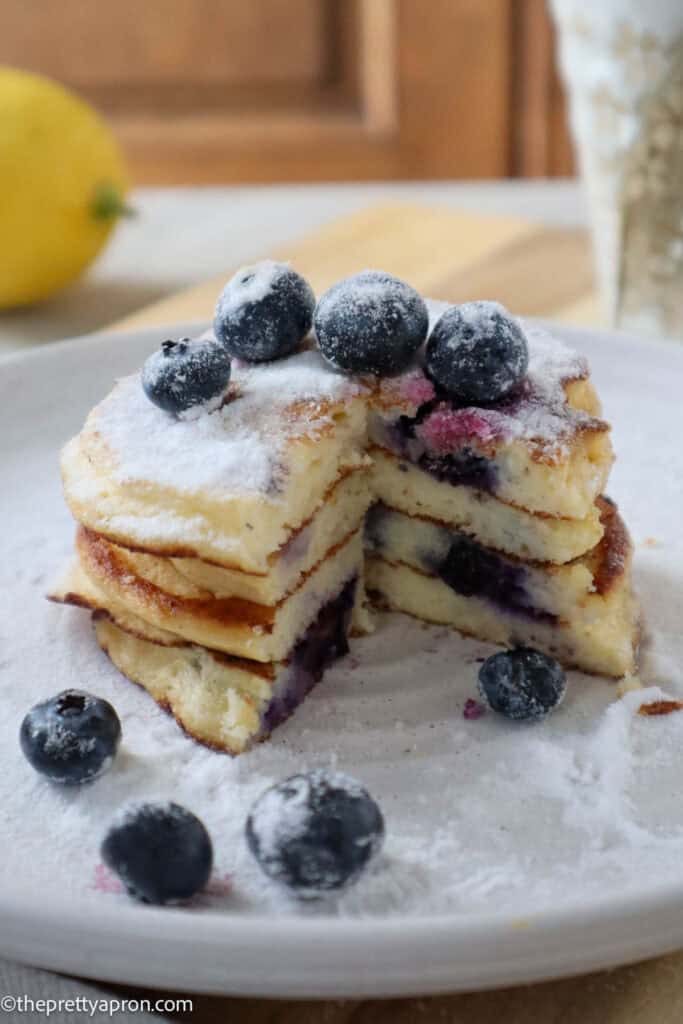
x: 224, y: 555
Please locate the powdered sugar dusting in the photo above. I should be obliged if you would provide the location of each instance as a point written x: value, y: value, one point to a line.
x: 542, y: 414
x: 235, y: 448
x: 371, y: 322
x: 366, y: 294
x: 186, y: 377
x: 279, y: 818
x: 465, y: 847
x: 551, y: 362
x: 435, y: 309
x: 275, y: 827
x: 163, y: 808
x: 60, y: 742
x: 255, y: 282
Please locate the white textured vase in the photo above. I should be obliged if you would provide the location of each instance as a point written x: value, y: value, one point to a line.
x: 623, y: 66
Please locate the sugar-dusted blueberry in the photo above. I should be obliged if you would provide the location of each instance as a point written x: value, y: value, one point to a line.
x: 185, y: 375
x: 264, y: 312
x: 371, y: 322
x: 315, y: 833
x: 522, y: 683
x: 71, y: 738
x: 477, y: 353
x: 161, y: 852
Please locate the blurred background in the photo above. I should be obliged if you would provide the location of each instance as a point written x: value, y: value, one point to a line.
x: 223, y: 91
x: 243, y: 126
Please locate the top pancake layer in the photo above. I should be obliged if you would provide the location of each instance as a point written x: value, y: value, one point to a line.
x: 547, y: 413
x: 237, y: 449
x: 229, y: 485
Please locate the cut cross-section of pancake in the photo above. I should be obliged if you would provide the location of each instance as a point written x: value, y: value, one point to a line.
x: 152, y: 589
x: 582, y: 613
x: 223, y: 701
x: 495, y: 523
x: 342, y: 512
x: 537, y: 590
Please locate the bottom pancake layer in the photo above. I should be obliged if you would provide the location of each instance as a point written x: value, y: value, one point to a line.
x: 224, y: 702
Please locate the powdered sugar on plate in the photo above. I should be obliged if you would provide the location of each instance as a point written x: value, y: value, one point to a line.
x: 482, y: 816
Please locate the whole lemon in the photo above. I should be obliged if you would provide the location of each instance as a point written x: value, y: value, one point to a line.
x: 62, y: 186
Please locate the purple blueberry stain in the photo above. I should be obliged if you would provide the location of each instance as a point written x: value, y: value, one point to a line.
x: 446, y: 428
x: 324, y: 641
x: 473, y: 709
x: 296, y: 547
x: 408, y: 439
x: 462, y: 469
x: 472, y: 570
x: 417, y: 388
x: 375, y: 521
x: 468, y: 567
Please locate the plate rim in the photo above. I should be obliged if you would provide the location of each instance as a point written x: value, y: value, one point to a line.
x: 446, y: 953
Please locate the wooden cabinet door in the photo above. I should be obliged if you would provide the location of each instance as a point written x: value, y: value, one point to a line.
x: 282, y: 90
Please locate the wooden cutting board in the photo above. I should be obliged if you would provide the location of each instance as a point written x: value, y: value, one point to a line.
x: 445, y: 253
x: 535, y: 271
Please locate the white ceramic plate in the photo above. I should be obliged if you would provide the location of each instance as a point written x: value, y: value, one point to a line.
x: 514, y: 852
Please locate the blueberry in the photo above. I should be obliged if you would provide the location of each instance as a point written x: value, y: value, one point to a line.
x: 464, y: 468
x: 473, y: 570
x: 315, y: 833
x: 371, y: 323
x: 71, y: 738
x: 161, y: 852
x: 522, y: 683
x: 477, y: 353
x: 264, y: 312
x: 186, y: 374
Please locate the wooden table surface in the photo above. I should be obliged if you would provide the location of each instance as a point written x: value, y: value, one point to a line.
x: 648, y: 993
x: 535, y: 270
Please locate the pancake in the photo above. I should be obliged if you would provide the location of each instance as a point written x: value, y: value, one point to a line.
x: 228, y: 486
